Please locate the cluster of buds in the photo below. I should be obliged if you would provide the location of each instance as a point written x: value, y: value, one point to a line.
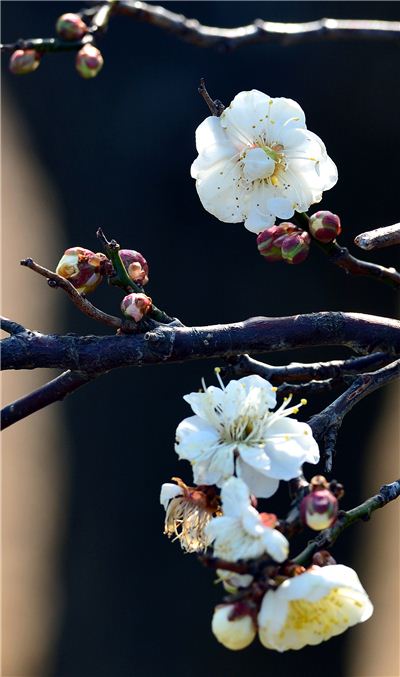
x: 285, y: 242
x: 136, y: 306
x: 83, y: 268
x: 319, y: 508
x: 325, y: 226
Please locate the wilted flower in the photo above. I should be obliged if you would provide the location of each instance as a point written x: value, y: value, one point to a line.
x: 89, y: 61
x: 234, y: 431
x: 325, y: 226
x: 233, y: 627
x: 312, y: 607
x: 70, y: 26
x: 258, y: 161
x: 24, y: 61
x: 241, y: 532
x: 136, y: 265
x: 136, y: 306
x: 82, y: 267
x: 188, y: 511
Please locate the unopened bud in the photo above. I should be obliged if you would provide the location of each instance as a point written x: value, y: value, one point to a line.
x: 89, y: 61
x: 269, y: 241
x: 233, y: 628
x: 136, y: 265
x: 71, y: 27
x: 24, y: 61
x: 295, y: 247
x: 319, y: 509
x: 136, y: 306
x: 323, y: 558
x: 82, y: 267
x: 325, y: 226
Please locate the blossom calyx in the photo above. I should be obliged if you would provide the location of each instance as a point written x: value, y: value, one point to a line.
x: 136, y: 265
x: 82, y: 267
x: 319, y: 509
x: 325, y: 226
x: 233, y: 627
x: 269, y: 241
x: 136, y: 306
x: 295, y: 247
x: 24, y: 61
x: 89, y: 61
x: 70, y: 26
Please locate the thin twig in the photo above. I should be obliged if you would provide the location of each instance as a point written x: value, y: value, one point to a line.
x: 216, y: 107
x: 80, y: 301
x: 192, y: 31
x: 166, y: 343
x: 50, y: 392
x: 244, y: 365
x: 11, y: 327
x: 378, y: 238
x: 387, y: 493
x: 326, y: 424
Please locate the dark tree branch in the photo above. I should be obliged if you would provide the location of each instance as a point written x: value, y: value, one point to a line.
x: 244, y: 365
x: 53, y: 391
x: 216, y: 107
x: 341, y: 257
x: 11, y: 327
x: 387, y: 493
x: 191, y: 30
x: 378, y: 238
x: 362, y: 333
x: 326, y: 424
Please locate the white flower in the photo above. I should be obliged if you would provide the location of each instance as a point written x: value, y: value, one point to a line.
x: 240, y: 532
x: 234, y: 432
x: 312, y: 607
x: 235, y: 633
x: 188, y: 511
x: 258, y: 161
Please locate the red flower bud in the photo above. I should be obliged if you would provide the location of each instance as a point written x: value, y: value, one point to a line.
x: 325, y: 226
x: 82, y: 267
x: 24, y: 61
x: 319, y: 509
x: 136, y: 265
x: 136, y: 306
x: 89, y: 61
x: 71, y: 27
x: 295, y: 247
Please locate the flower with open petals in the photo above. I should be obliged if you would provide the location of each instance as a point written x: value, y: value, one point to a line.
x: 241, y: 532
x: 312, y: 607
x: 234, y: 432
x: 258, y: 161
x: 188, y: 511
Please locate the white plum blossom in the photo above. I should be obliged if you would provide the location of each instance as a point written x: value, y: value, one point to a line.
x: 234, y: 431
x: 241, y: 533
x: 188, y: 511
x: 258, y: 161
x: 312, y: 607
x: 234, y: 633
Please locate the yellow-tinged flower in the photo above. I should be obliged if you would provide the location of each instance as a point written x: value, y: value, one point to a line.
x: 232, y: 629
x: 312, y: 607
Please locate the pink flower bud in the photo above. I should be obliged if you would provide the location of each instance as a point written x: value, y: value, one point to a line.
x: 71, y: 27
x: 295, y: 247
x: 269, y: 240
x: 319, y: 509
x: 136, y: 265
x: 82, y: 267
x: 136, y: 306
x: 325, y: 226
x: 89, y: 61
x: 24, y: 61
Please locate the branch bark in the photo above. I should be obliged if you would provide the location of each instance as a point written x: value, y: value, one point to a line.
x: 362, y: 333
x: 378, y: 238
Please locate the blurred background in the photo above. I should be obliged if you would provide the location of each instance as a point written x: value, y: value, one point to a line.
x: 91, y: 587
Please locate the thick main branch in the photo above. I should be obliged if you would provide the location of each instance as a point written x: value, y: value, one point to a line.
x: 362, y: 333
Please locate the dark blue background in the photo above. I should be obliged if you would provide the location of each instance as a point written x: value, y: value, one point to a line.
x: 119, y: 150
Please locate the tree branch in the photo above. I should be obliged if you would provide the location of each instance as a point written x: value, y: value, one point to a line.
x: 362, y: 333
x: 192, y: 31
x: 341, y: 257
x: 378, y: 238
x: 326, y: 424
x: 53, y: 391
x: 11, y: 327
x: 387, y: 493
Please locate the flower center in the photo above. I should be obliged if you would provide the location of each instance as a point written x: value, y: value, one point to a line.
x: 258, y: 163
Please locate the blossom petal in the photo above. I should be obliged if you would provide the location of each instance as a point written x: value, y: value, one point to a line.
x: 195, y: 437
x: 169, y: 491
x: 276, y: 544
x: 289, y: 444
x: 235, y: 497
x: 259, y: 484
